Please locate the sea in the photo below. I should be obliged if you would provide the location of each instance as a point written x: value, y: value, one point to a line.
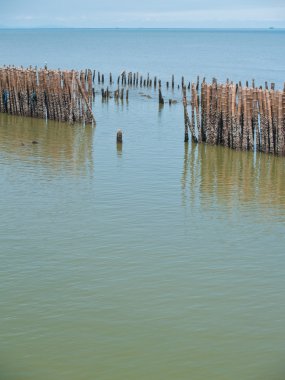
x: 150, y: 260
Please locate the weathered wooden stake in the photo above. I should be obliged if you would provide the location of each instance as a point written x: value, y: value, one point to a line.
x: 160, y: 98
x: 119, y: 136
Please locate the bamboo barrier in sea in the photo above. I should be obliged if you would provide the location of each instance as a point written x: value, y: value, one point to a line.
x: 47, y: 94
x: 244, y: 118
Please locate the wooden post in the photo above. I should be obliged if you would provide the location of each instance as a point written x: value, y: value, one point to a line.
x: 186, y: 136
x: 119, y: 136
x: 86, y: 100
x: 160, y: 98
x: 187, y: 122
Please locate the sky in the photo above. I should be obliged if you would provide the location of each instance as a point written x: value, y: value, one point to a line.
x: 145, y: 13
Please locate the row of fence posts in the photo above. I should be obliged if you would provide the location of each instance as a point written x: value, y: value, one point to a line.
x: 243, y: 118
x: 61, y: 95
x: 232, y: 115
x: 47, y: 94
x: 124, y: 82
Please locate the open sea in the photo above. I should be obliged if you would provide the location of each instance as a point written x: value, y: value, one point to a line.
x: 156, y: 260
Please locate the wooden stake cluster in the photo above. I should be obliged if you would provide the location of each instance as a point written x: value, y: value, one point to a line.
x: 47, y: 94
x: 245, y: 118
x: 237, y: 117
x: 130, y: 79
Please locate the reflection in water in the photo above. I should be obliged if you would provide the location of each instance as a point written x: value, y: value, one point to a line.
x: 216, y: 175
x: 58, y: 146
x: 160, y: 109
x: 119, y: 149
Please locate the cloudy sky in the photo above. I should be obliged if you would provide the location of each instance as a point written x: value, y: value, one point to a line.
x: 144, y: 13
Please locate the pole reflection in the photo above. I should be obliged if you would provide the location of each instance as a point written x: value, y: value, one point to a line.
x: 53, y: 145
x: 214, y: 176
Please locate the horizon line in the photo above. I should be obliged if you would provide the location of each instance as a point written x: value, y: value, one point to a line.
x: 142, y: 27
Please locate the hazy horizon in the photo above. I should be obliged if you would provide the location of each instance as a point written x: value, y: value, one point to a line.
x: 142, y: 27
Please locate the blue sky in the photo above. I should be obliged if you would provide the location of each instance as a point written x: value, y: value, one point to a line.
x: 146, y: 13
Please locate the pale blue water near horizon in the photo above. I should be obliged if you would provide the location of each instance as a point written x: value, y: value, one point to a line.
x: 159, y: 260
x: 238, y: 54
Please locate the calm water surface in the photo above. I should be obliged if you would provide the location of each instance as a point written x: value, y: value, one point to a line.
x: 154, y: 260
x: 235, y: 54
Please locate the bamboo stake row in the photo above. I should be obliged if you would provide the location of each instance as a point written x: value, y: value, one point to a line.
x: 47, y: 94
x: 244, y: 118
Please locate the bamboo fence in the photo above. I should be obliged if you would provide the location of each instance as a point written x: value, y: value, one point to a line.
x: 47, y: 94
x: 242, y: 118
x: 232, y: 115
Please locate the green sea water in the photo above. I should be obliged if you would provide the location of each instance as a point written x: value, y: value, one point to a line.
x: 150, y: 260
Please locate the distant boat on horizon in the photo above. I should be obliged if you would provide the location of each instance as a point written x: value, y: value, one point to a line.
x: 271, y: 27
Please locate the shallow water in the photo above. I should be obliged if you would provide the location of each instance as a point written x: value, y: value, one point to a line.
x: 150, y: 260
